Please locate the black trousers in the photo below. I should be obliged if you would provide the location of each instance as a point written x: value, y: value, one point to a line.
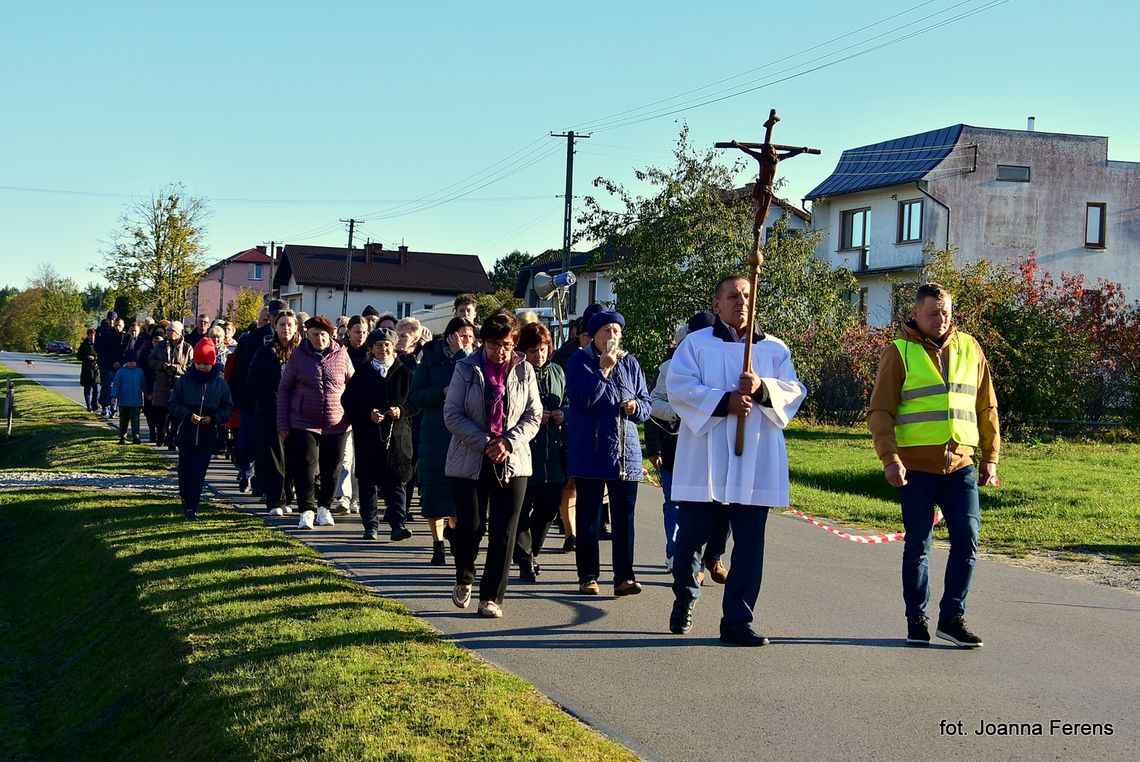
x: 193, y: 462
x: 314, y: 460
x: 540, y: 506
x: 91, y: 396
x: 372, y: 485
x: 623, y: 499
x: 479, y: 503
x: 269, y: 455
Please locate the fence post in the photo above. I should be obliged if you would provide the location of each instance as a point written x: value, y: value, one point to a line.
x: 10, y: 404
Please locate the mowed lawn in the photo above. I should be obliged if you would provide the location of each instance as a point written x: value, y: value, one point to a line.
x: 129, y: 633
x: 1062, y: 496
x: 53, y: 433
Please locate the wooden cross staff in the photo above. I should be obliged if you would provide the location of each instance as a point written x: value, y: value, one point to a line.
x: 769, y: 155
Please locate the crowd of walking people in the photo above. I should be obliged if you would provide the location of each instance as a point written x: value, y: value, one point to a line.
x: 505, y: 435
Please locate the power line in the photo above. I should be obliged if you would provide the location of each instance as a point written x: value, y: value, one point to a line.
x: 734, y: 93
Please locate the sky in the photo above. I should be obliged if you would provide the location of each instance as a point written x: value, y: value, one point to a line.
x: 431, y: 122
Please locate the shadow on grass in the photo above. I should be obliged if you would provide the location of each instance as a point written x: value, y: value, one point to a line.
x: 114, y: 677
x: 805, y: 434
x: 869, y: 483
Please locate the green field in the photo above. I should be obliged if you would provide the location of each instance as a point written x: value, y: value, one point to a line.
x: 127, y: 633
x: 1061, y: 496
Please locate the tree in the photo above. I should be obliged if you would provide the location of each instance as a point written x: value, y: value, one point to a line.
x: 671, y: 248
x: 157, y: 254
x: 94, y: 297
x: 60, y: 316
x: 505, y: 273
x: 18, y: 331
x: 244, y: 309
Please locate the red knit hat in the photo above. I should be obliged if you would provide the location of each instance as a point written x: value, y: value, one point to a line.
x: 204, y: 352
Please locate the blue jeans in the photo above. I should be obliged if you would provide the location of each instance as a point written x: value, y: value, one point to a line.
x: 107, y: 376
x: 695, y: 526
x: 957, y: 495
x: 670, y: 509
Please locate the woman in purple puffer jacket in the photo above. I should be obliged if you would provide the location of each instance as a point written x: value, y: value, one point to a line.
x: 312, y: 420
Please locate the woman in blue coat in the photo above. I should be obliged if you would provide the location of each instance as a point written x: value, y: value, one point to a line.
x: 608, y: 398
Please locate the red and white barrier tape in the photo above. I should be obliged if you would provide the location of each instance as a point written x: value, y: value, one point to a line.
x: 866, y: 539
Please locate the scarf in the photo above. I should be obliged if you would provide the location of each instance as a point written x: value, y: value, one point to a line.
x: 495, y: 399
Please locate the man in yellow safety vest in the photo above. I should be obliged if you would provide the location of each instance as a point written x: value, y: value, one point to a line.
x: 933, y: 405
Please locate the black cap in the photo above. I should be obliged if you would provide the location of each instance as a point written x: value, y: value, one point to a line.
x: 276, y: 307
x: 702, y: 319
x: 370, y: 311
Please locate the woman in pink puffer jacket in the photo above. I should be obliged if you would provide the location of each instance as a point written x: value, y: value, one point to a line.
x: 312, y: 420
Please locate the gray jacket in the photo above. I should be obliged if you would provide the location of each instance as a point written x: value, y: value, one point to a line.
x: 464, y: 414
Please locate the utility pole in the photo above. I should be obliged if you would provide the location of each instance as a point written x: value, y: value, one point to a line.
x: 272, y: 261
x: 570, y: 136
x: 348, y: 264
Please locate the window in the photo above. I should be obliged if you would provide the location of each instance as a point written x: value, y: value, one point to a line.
x: 255, y: 271
x: 1094, y: 225
x: 910, y: 221
x: 592, y: 292
x: 572, y: 300
x: 855, y: 225
x: 403, y: 310
x: 1013, y: 173
x: 429, y: 306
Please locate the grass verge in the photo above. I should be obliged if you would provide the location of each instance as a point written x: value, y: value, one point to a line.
x: 1062, y: 496
x: 52, y: 433
x: 128, y: 633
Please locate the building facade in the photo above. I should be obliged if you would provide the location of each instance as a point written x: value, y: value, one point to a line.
x: 218, y: 289
x: 397, y: 281
x: 987, y: 194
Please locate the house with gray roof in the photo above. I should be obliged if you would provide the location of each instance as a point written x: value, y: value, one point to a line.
x: 990, y: 194
x: 399, y: 281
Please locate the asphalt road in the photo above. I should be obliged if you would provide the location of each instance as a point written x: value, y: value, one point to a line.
x: 836, y: 681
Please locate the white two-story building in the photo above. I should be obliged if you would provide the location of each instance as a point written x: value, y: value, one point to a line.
x: 989, y: 194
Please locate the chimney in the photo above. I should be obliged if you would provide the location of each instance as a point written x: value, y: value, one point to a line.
x: 1032, y: 120
x: 261, y: 249
x: 403, y: 254
x: 372, y: 252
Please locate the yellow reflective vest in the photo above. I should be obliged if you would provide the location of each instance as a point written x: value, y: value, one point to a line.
x: 934, y: 409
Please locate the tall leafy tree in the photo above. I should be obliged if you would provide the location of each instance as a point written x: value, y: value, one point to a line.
x: 60, y: 315
x: 158, y: 252
x: 505, y: 273
x: 671, y: 247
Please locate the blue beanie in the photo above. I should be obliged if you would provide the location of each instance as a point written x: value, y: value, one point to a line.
x: 130, y: 356
x: 604, y: 318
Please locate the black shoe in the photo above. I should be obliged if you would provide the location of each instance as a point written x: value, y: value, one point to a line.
x: 191, y: 515
x: 956, y: 632
x: 681, y: 619
x: 243, y: 484
x: 371, y: 534
x: 402, y: 533
x: 136, y: 440
x: 570, y: 545
x: 917, y: 631
x: 437, y: 555
x: 742, y: 636
x: 527, y: 572
x: 122, y: 440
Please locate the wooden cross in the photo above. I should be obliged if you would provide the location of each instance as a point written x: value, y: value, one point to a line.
x: 768, y: 155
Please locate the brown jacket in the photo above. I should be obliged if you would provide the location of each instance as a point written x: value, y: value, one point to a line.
x: 934, y: 459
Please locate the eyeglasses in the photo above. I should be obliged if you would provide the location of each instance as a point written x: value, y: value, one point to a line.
x: 499, y: 345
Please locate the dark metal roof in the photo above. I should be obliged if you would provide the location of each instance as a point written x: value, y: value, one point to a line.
x: 891, y: 162
x: 377, y: 267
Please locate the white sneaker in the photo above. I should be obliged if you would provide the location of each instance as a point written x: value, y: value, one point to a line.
x: 354, y: 507
x: 276, y: 512
x: 490, y: 609
x: 288, y: 509
x: 324, y: 518
x: 306, y: 521
x: 461, y: 595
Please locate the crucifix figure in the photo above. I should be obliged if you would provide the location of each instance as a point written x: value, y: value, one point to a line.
x: 768, y: 155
